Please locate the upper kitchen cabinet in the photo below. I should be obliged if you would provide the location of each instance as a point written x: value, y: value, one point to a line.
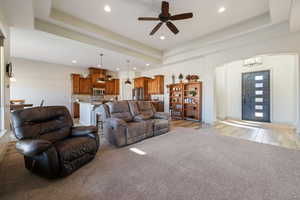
x: 81, y: 85
x: 98, y: 76
x: 112, y: 87
x: 156, y: 85
x: 75, y: 83
x: 85, y: 86
x: 143, y: 82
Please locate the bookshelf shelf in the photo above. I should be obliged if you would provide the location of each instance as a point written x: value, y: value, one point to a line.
x: 187, y: 106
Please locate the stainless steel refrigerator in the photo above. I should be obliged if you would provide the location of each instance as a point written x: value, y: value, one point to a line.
x: 138, y: 94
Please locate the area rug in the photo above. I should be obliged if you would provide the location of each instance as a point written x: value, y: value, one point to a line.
x: 185, y: 164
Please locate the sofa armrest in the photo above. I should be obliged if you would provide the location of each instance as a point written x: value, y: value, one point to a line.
x: 116, y: 123
x: 83, y: 130
x: 162, y: 115
x: 32, y: 147
x: 142, y: 117
x: 87, y: 131
x: 114, y: 130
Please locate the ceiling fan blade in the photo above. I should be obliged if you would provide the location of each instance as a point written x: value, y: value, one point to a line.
x: 181, y: 16
x: 165, y: 8
x: 172, y: 27
x: 156, y: 28
x: 148, y: 18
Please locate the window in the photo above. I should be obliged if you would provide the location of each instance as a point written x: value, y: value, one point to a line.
x: 259, y: 92
x: 259, y: 78
x: 259, y: 100
x: 259, y: 114
x: 258, y: 107
x: 259, y: 85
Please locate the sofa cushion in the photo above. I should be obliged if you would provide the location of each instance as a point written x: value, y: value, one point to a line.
x: 146, y: 108
x: 74, y: 148
x: 120, y: 110
x: 142, y: 117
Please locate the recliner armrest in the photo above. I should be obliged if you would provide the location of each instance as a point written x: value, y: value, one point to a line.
x: 115, y: 123
x: 32, y: 147
x: 83, y: 130
x: 162, y: 115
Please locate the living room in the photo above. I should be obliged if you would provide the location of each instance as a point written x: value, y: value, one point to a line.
x: 111, y: 99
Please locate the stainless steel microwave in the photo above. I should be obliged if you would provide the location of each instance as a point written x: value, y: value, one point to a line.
x: 98, y: 91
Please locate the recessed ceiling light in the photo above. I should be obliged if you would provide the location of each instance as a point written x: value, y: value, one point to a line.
x: 134, y: 68
x: 147, y: 64
x: 74, y: 61
x: 107, y: 8
x: 118, y: 69
x: 222, y: 9
x: 162, y: 37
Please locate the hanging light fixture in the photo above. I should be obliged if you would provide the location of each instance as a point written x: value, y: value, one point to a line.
x: 128, y: 82
x: 101, y: 80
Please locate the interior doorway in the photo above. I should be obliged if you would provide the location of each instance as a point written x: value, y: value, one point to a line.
x: 256, y: 96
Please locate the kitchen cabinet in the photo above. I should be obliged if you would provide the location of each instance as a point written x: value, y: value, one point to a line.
x: 75, y: 83
x: 95, y: 80
x: 85, y: 86
x: 112, y: 87
x: 97, y: 75
x: 81, y: 85
x: 156, y: 85
x: 75, y: 110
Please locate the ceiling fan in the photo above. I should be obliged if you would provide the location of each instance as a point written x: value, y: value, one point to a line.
x: 166, y: 17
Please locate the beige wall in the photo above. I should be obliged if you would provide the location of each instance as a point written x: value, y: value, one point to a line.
x: 39, y: 80
x: 283, y: 82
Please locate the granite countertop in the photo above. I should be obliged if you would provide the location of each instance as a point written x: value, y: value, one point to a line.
x: 94, y: 102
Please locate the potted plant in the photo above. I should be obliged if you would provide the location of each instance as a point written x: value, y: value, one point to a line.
x: 194, y: 78
x: 188, y: 77
x: 180, y: 77
x: 192, y: 93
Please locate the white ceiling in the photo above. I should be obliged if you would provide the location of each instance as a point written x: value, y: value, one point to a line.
x: 37, y: 45
x: 123, y: 18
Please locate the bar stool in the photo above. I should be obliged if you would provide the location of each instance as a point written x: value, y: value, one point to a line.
x: 99, y: 123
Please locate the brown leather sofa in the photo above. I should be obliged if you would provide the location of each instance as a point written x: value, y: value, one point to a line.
x: 127, y: 122
x: 50, y: 144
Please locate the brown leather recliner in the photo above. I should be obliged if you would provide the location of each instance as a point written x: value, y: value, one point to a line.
x: 50, y: 144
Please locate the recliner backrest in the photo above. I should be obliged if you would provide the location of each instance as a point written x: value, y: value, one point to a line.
x: 120, y: 110
x: 146, y: 108
x: 51, y: 123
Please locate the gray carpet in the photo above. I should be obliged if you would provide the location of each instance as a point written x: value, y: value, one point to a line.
x: 184, y: 164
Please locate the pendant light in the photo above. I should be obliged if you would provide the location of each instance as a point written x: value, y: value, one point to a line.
x: 128, y: 82
x: 101, y: 80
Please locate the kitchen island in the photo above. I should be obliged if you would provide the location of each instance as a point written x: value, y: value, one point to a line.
x: 88, y: 111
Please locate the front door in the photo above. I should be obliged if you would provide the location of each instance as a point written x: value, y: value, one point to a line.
x: 256, y: 96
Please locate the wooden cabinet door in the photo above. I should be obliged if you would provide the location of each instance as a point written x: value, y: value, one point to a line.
x: 151, y: 86
x: 109, y: 87
x: 117, y: 86
x: 75, y: 108
x: 85, y: 86
x: 75, y: 83
x: 159, y: 89
x: 95, y: 83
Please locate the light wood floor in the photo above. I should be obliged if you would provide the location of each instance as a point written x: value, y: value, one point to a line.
x: 282, y: 136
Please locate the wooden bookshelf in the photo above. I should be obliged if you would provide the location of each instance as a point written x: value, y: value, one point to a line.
x: 185, y: 101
